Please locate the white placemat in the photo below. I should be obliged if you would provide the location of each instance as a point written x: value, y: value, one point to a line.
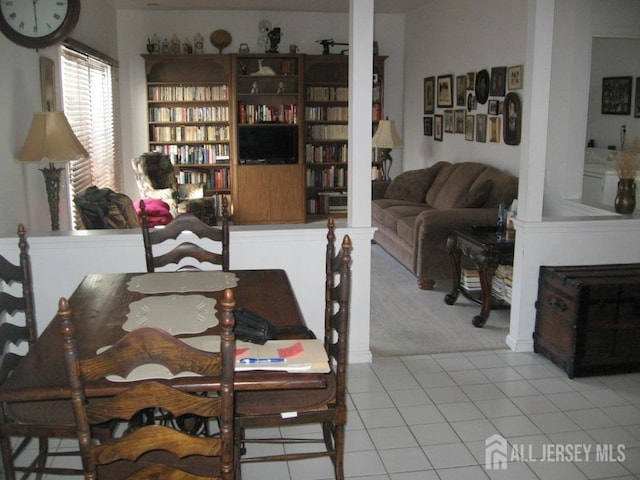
x: 181, y: 282
x: 209, y: 343
x: 174, y: 313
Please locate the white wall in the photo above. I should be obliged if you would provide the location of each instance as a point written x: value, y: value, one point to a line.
x: 455, y: 38
x: 22, y: 185
x: 612, y: 57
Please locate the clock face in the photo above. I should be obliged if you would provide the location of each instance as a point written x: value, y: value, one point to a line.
x: 38, y: 23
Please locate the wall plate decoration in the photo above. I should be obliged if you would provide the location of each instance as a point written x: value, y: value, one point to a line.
x: 482, y: 86
x: 512, y: 121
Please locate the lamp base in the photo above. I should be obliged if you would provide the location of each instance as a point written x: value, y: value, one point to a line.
x: 385, y: 161
x: 52, y: 183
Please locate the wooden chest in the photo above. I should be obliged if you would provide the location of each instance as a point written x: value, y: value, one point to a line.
x: 588, y: 318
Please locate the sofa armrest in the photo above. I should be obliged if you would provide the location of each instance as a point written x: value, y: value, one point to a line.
x: 433, y: 228
x: 378, y: 188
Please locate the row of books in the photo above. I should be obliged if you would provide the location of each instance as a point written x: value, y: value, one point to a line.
x: 333, y: 153
x: 331, y: 177
x: 327, y: 94
x: 252, y: 114
x: 327, y: 132
x: 196, y: 154
x: 213, y: 207
x: 328, y: 203
x: 501, y: 282
x: 188, y: 93
x: 324, y: 114
x: 190, y: 133
x: 216, y: 179
x: 189, y: 114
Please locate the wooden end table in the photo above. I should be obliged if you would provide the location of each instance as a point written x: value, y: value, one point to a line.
x: 487, y: 247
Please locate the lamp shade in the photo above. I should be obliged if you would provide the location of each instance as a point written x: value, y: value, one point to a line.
x: 386, y: 135
x: 51, y: 138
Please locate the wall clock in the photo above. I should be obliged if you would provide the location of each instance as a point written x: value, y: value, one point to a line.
x: 38, y: 23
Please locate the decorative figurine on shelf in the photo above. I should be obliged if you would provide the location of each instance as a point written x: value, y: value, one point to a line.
x: 244, y: 48
x: 254, y: 87
x: 280, y: 87
x: 198, y: 43
x: 175, y: 45
x: 275, y: 36
x: 187, y: 48
x: 165, y: 48
x: 263, y: 69
x: 149, y: 46
x: 155, y: 41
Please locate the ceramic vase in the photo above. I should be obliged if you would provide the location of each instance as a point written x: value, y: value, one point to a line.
x: 626, y: 197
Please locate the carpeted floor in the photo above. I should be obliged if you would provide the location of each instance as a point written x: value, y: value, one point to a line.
x: 407, y: 321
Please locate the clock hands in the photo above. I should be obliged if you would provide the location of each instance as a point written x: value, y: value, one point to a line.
x: 35, y: 17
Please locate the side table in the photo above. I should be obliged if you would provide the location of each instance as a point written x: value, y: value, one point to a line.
x: 487, y: 247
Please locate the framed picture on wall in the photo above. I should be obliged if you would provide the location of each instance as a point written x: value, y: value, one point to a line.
x: 448, y: 121
x: 428, y: 126
x: 429, y: 95
x: 512, y: 121
x: 636, y: 109
x: 471, y: 80
x: 458, y: 118
x: 616, y: 95
x: 47, y: 84
x: 445, y: 91
x: 493, y: 107
x: 498, y: 81
x: 494, y: 129
x: 481, y: 128
x: 461, y: 90
x: 437, y: 127
x: 469, y: 127
x: 514, y: 77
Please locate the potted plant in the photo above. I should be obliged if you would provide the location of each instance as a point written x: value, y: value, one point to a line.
x: 627, y: 167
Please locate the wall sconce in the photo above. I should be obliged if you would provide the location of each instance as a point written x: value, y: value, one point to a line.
x: 51, y: 138
x: 386, y: 138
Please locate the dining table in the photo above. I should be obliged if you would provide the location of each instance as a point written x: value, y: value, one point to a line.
x: 104, y: 303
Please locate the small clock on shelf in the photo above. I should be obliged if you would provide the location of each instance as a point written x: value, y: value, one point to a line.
x: 38, y: 24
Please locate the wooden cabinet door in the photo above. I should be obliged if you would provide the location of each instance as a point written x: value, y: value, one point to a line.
x: 269, y: 194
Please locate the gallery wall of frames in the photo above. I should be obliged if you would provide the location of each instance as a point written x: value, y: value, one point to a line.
x: 483, y: 105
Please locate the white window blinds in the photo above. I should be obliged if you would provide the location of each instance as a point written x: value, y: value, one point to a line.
x: 89, y: 96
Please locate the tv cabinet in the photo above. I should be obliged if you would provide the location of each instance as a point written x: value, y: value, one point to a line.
x: 269, y: 188
x: 198, y: 106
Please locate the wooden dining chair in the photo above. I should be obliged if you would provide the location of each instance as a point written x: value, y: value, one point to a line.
x: 26, y: 422
x: 183, y: 223
x: 153, y: 451
x: 327, y: 406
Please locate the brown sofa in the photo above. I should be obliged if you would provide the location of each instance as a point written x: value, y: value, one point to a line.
x: 416, y: 212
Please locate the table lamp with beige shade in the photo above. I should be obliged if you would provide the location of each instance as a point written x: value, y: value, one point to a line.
x: 51, y: 138
x: 385, y: 139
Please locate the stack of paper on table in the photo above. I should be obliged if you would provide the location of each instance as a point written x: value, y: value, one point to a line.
x: 310, y: 357
x: 285, y: 355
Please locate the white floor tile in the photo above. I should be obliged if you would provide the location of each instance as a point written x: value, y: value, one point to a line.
x: 449, y: 455
x: 404, y: 460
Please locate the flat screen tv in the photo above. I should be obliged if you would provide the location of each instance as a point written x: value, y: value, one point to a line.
x: 262, y: 144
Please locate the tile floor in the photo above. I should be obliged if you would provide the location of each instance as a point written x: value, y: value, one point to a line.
x: 427, y: 417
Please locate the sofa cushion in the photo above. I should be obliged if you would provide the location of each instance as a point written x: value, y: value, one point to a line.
x: 479, y: 193
x: 390, y: 216
x: 453, y: 184
x: 411, y: 185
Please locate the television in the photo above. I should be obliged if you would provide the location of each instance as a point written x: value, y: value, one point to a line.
x: 268, y: 144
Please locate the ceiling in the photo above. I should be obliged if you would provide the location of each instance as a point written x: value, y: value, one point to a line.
x: 381, y: 6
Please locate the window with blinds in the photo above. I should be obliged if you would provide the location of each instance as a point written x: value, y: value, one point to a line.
x: 89, y: 98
